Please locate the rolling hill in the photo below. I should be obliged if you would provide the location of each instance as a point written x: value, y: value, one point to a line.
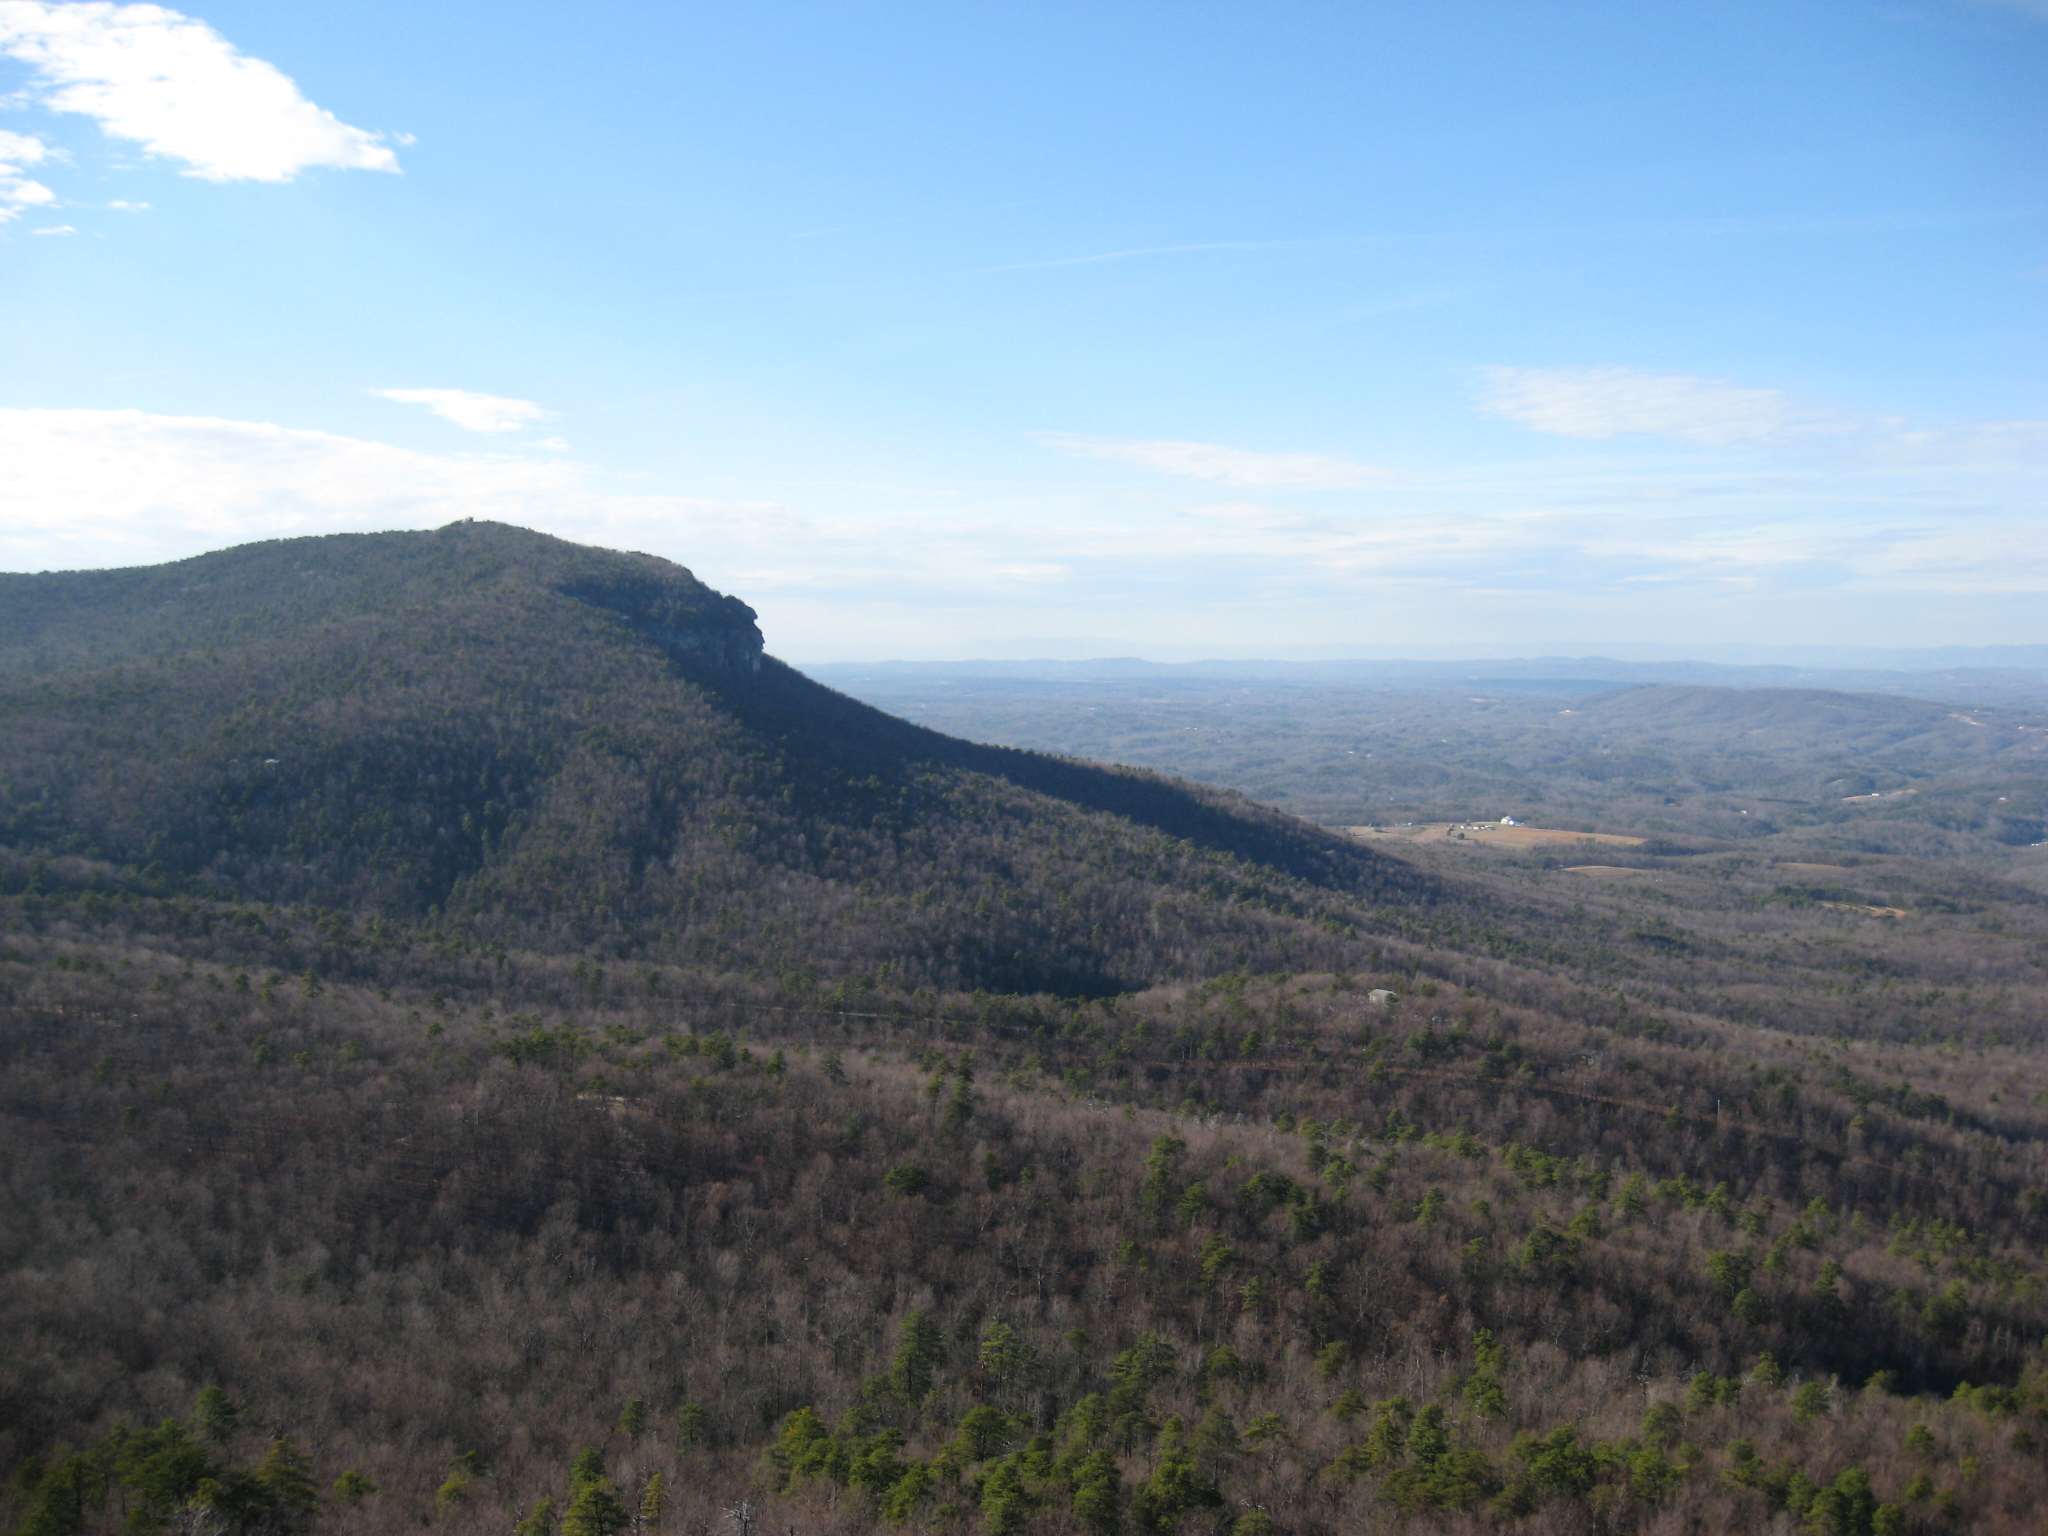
x: 485, y: 1047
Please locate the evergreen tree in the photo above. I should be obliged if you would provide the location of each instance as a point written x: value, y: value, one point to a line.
x: 286, y: 1478
x: 539, y: 1521
x: 215, y: 1415
x: 918, y: 1354
x: 595, y: 1509
x: 652, y: 1497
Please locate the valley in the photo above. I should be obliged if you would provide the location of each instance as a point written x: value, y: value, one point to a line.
x: 484, y: 1039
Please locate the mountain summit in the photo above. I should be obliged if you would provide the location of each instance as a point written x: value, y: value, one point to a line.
x: 566, y: 747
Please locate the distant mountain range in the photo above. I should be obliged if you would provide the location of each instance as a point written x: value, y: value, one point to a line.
x: 1991, y: 674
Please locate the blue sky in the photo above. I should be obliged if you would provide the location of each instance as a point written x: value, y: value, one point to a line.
x: 982, y: 329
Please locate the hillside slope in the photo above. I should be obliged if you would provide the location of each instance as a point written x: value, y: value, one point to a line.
x: 569, y: 748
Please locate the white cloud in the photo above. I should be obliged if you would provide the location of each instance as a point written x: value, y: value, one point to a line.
x: 1229, y: 466
x: 475, y: 412
x: 16, y: 190
x: 180, y: 90
x: 1843, y: 555
x: 55, y: 229
x: 91, y: 488
x: 133, y: 480
x: 1601, y: 403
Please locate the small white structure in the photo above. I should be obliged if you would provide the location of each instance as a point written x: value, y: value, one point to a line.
x: 1509, y: 821
x: 1379, y: 997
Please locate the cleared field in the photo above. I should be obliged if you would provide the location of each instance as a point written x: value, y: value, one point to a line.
x: 1605, y: 871
x: 1490, y: 833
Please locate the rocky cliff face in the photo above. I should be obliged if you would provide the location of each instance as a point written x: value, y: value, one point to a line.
x: 702, y: 630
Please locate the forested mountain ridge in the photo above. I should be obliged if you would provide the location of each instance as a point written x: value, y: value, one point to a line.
x: 486, y: 1048
x: 563, y: 746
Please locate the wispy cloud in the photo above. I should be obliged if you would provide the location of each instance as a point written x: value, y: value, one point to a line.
x: 180, y: 90
x: 1599, y: 403
x: 1827, y: 554
x: 473, y: 411
x: 1226, y: 466
x: 18, y: 191
x: 55, y: 229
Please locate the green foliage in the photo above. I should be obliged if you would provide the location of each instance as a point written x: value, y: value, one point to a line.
x: 1216, y: 1256
x: 907, y: 1180
x: 1005, y: 1355
x: 285, y: 1479
x: 1729, y: 1273
x: 983, y: 1432
x: 214, y: 1415
x: 165, y: 1476
x: 1810, y: 1401
x: 595, y: 1509
x: 1097, y: 1493
x: 1175, y: 1486
x: 1266, y: 1190
x: 1005, y: 1502
x: 693, y: 1425
x: 920, y: 1350
x: 1846, y: 1507
x: 1662, y: 1424
x: 1946, y: 1317
x: 1160, y: 1162
x: 1438, y: 1474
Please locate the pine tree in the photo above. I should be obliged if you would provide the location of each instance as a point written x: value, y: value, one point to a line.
x: 595, y: 1509
x: 286, y: 1479
x: 652, y: 1497
x: 918, y: 1353
x: 215, y: 1415
x: 539, y: 1521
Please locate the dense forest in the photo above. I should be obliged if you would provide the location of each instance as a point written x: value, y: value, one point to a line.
x: 484, y: 1048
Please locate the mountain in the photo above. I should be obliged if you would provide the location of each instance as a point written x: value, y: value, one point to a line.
x: 485, y: 1048
x: 556, y: 746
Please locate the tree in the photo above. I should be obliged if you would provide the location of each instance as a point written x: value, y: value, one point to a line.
x: 652, y: 1498
x: 215, y: 1415
x: 919, y: 1352
x: 906, y: 1179
x: 286, y: 1478
x: 1157, y: 1191
x: 1004, y: 1355
x: 1096, y: 1489
x: 595, y: 1509
x: 1729, y: 1272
